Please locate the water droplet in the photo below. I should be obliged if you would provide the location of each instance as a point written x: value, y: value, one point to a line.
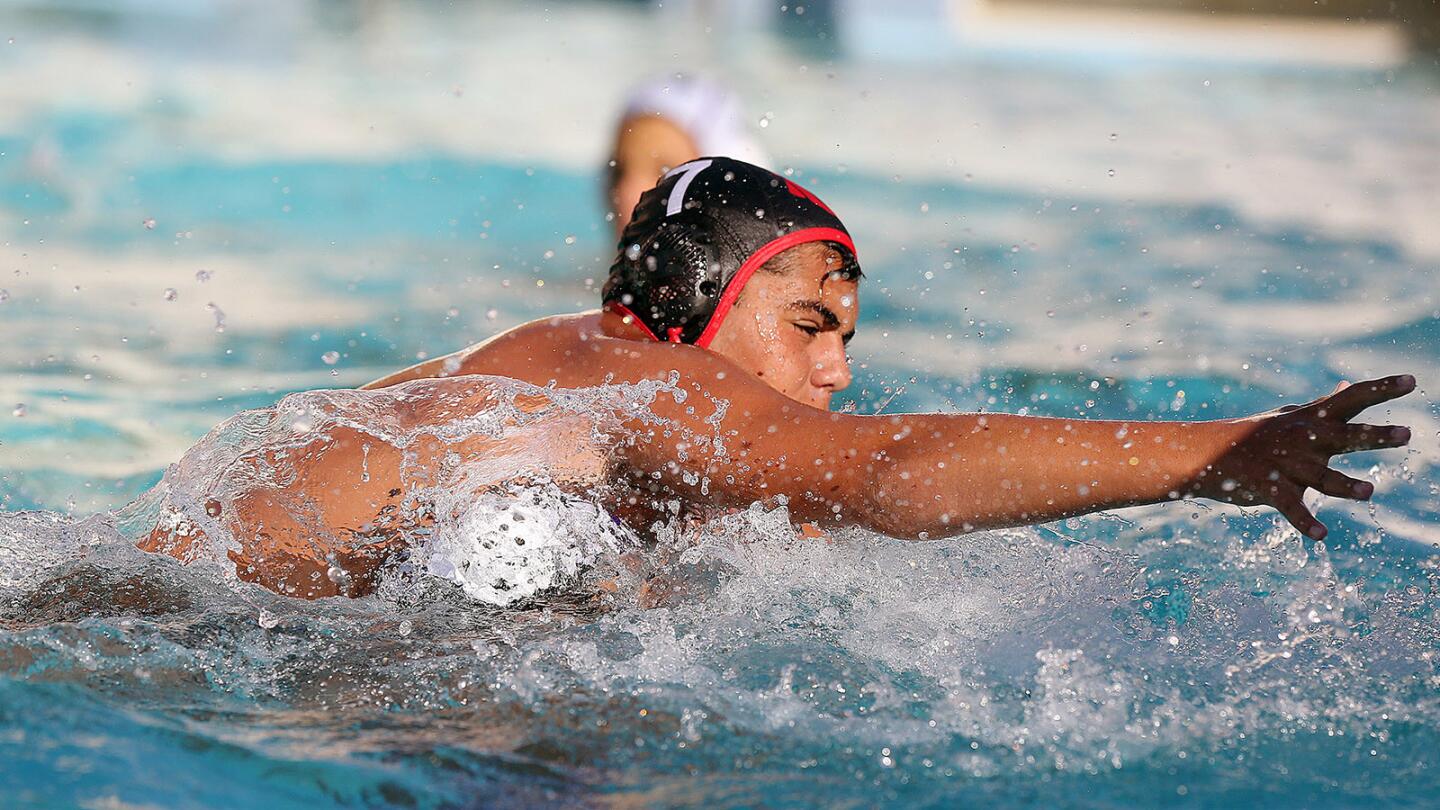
x: 169, y: 294
x: 4, y: 296
x: 19, y: 410
x: 202, y: 276
x: 219, y: 316
x: 1114, y: 136
x: 148, y: 223
x: 492, y: 314
x: 407, y: 627
x: 569, y: 240
x: 1110, y: 172
x: 268, y: 619
x: 330, y: 358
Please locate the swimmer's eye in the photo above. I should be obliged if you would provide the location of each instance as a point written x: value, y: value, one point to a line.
x: 812, y: 331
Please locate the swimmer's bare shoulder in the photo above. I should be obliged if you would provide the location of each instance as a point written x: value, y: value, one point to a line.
x: 526, y: 352
x: 579, y: 350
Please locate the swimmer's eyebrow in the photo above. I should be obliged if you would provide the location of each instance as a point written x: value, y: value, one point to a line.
x: 828, y: 319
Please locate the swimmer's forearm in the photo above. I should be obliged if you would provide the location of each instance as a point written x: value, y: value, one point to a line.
x: 925, y: 476
x: 958, y: 473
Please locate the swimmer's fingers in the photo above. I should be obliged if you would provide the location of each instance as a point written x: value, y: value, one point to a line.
x: 1334, y: 483
x: 1348, y: 402
x: 1287, y: 500
x: 1356, y: 437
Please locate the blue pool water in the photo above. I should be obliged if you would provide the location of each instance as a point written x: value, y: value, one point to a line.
x: 194, y: 231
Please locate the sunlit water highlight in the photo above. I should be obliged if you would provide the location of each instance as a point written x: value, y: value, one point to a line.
x: 168, y: 266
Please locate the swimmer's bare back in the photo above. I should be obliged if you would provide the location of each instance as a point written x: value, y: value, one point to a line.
x: 912, y: 476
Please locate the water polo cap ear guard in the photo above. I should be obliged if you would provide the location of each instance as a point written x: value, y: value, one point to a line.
x: 698, y: 237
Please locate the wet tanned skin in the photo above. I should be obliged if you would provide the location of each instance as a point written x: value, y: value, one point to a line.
x: 779, y: 357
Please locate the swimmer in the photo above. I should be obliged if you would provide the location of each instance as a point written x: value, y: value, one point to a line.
x: 669, y: 121
x: 744, y: 288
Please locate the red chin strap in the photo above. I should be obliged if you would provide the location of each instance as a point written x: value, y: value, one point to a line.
x: 742, y: 277
x: 757, y: 259
x: 630, y: 317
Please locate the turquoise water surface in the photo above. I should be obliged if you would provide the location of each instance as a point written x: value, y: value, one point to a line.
x: 313, y: 199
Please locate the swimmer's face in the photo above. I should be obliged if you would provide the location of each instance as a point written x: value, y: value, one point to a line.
x: 646, y: 147
x: 790, y: 325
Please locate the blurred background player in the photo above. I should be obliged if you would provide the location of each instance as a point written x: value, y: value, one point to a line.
x: 667, y: 121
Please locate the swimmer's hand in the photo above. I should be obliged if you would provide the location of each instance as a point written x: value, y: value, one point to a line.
x: 1277, y: 455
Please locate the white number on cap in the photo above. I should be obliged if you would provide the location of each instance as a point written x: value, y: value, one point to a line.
x: 676, y: 200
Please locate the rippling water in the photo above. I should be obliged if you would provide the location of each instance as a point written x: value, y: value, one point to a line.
x: 204, y: 233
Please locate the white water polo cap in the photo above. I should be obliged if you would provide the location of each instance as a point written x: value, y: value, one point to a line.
x: 707, y: 111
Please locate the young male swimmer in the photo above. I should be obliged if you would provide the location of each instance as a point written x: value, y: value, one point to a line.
x: 743, y: 288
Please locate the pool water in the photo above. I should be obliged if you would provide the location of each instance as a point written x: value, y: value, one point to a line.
x: 317, y: 197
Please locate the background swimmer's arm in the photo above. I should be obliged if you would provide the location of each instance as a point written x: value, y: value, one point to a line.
x: 932, y: 475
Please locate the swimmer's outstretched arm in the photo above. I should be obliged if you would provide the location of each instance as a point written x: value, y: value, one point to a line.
x: 932, y: 475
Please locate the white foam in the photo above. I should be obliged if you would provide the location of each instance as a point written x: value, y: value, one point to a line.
x: 515, y: 544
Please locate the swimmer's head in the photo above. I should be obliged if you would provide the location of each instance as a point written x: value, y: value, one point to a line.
x: 732, y: 257
x: 668, y: 121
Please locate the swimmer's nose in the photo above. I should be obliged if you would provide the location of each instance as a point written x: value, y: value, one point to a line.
x: 832, y: 368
